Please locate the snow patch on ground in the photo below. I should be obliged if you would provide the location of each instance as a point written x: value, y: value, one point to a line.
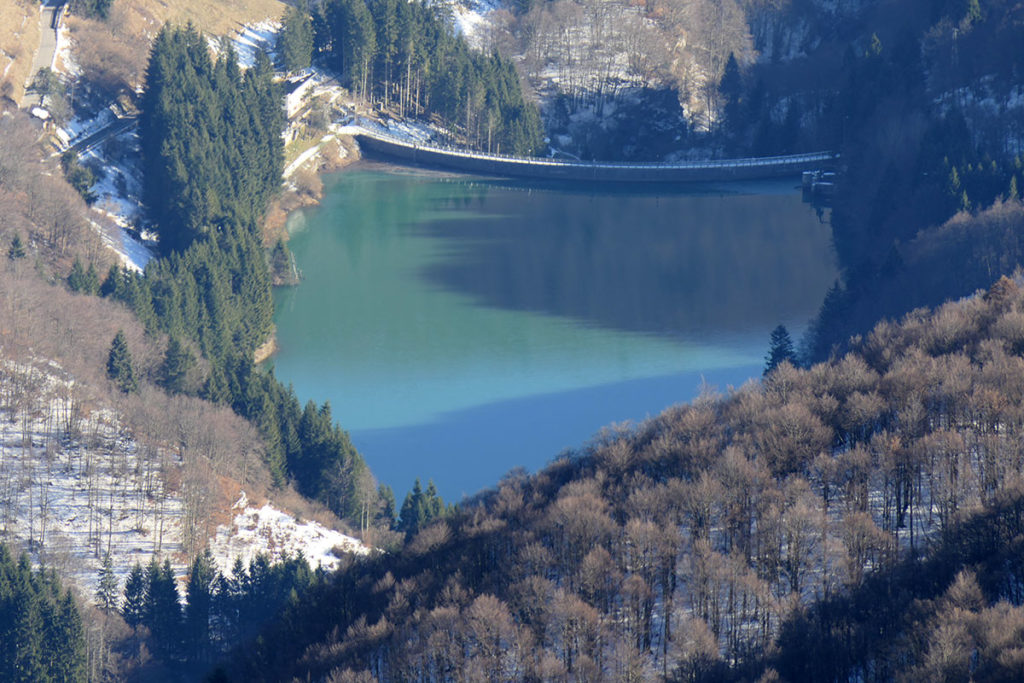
x: 134, y: 255
x: 471, y: 20
x: 276, y: 533
x: 79, y: 128
x: 407, y: 131
x: 63, y: 59
x: 75, y: 484
x: 254, y: 37
x: 118, y: 191
x: 72, y: 495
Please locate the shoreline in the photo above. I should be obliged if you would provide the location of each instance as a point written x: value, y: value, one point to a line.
x: 303, y: 187
x: 302, y: 184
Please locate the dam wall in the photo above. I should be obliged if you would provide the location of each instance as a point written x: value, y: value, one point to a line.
x: 534, y: 168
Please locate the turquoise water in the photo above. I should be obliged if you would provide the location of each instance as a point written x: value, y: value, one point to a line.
x: 462, y: 327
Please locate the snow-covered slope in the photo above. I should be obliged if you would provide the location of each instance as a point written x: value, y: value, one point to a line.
x: 267, y: 529
x: 75, y: 484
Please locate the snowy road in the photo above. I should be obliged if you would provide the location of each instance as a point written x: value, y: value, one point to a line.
x: 115, y: 127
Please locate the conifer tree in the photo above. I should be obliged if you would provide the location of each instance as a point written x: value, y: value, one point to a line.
x: 17, y: 248
x: 69, y: 661
x: 113, y: 283
x: 107, y: 586
x: 411, y: 515
x: 119, y: 365
x: 178, y: 360
x: 162, y: 614
x: 134, y: 606
x: 82, y: 280
x: 387, y: 513
x: 731, y: 88
x: 199, y: 599
x: 420, y: 508
x: 780, y: 349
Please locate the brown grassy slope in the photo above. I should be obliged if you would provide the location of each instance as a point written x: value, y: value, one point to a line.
x: 114, y: 52
x: 19, y: 37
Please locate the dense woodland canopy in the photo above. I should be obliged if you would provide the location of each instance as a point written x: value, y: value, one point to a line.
x: 211, y: 139
x: 919, y: 100
x: 187, y: 626
x: 41, y: 633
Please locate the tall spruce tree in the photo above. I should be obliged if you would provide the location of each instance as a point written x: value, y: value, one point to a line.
x: 178, y: 360
x: 198, y: 607
x: 134, y: 608
x: 119, y: 365
x: 17, y: 248
x: 731, y: 89
x: 107, y: 585
x: 162, y: 613
x: 780, y: 349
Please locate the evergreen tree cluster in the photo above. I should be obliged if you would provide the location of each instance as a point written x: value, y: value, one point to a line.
x: 420, y: 508
x: 211, y: 138
x: 295, y: 41
x: 216, y: 613
x: 405, y: 54
x: 93, y: 9
x: 83, y: 280
x: 212, y: 151
x: 80, y: 177
x: 41, y: 634
x: 217, y: 293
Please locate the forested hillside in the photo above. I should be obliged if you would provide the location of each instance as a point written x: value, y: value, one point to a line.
x: 110, y: 452
x: 858, y: 519
x: 405, y: 54
x: 712, y: 541
x: 213, y: 158
x: 211, y: 139
x: 923, y: 100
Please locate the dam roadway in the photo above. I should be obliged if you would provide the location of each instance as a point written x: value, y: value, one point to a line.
x: 466, y: 161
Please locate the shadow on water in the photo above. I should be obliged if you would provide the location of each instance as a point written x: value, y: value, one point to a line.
x: 671, y: 264
x: 467, y: 450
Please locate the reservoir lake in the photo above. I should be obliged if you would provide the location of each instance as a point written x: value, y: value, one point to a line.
x: 462, y: 327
